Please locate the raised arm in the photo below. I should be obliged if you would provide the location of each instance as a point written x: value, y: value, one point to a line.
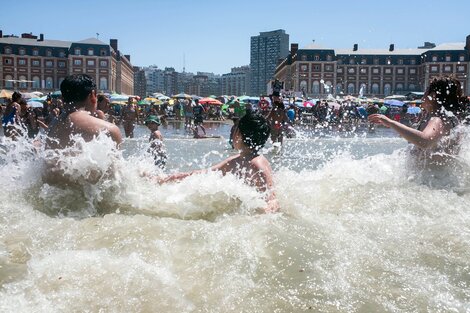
x: 434, y: 131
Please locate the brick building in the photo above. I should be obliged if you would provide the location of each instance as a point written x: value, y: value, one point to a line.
x: 29, y: 63
x: 317, y: 71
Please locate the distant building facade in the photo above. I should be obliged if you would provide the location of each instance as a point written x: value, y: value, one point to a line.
x: 30, y: 63
x: 317, y: 71
x: 237, y: 82
x: 155, y: 79
x: 140, y: 82
x: 266, y: 50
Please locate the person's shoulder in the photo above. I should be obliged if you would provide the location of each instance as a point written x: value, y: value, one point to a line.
x: 260, y: 162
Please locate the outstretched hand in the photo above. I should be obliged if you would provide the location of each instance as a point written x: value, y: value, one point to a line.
x: 380, y: 119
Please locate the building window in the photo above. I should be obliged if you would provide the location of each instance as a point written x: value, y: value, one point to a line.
x: 400, y: 87
x: 448, y: 58
x: 61, y: 79
x: 62, y: 54
x: 8, y: 81
x: 77, y: 62
x: 303, y: 86
x: 327, y: 87
x: 316, y: 68
x: 316, y: 58
x: 35, y: 63
x: 400, y: 71
x: 460, y: 68
x: 389, y: 61
x: 77, y: 51
x: 103, y: 63
x: 434, y: 69
x: 376, y: 61
x: 339, y: 88
x: 363, y: 61
x: 7, y: 50
x: 412, y: 71
x: 23, y: 83
x: 48, y: 53
x: 49, y: 83
x: 328, y: 68
x: 375, y: 71
x: 363, y: 70
x: 351, y: 88
x: 351, y: 61
x: 102, y: 52
x: 400, y: 61
x: 434, y: 58
x: 388, y: 71
x: 461, y: 58
x: 447, y: 68
x: 303, y: 68
x: 8, y: 61
x: 339, y: 70
x: 375, y: 88
x: 413, y: 62
x: 103, y: 83
x: 90, y: 62
x: 36, y: 82
x: 351, y: 70
x: 21, y: 62
x: 387, y: 89
x: 340, y: 61
x: 316, y: 87
x: 412, y: 87
x: 61, y: 64
x: 329, y: 57
x: 22, y: 51
x: 35, y: 52
x: 49, y: 64
x: 303, y: 57
x: 91, y: 52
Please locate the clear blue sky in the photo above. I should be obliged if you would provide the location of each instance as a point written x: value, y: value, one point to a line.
x: 214, y: 35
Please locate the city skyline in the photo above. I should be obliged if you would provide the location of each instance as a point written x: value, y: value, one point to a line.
x: 214, y: 37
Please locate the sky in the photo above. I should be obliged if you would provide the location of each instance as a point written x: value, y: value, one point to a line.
x: 214, y: 36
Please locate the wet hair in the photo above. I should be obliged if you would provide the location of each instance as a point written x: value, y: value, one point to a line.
x: 76, y: 88
x: 16, y: 96
x: 254, y: 129
x: 448, y: 94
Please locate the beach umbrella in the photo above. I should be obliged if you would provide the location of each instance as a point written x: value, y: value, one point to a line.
x: 196, y: 97
x: 56, y: 94
x: 6, y: 93
x: 143, y: 102
x: 307, y: 104
x: 394, y: 103
x: 118, y: 97
x: 35, y: 104
x: 213, y: 97
x: 413, y: 110
x: 182, y: 96
x: 163, y: 98
x: 210, y: 101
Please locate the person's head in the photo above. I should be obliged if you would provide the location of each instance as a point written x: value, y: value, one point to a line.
x: 24, y: 105
x: 444, y: 93
x: 103, y: 102
x: 252, y: 131
x: 152, y: 122
x: 130, y: 100
x: 16, y: 96
x: 78, y: 90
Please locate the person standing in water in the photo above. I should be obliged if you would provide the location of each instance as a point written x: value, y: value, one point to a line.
x: 11, y: 117
x: 249, y: 136
x: 278, y: 120
x: 157, y: 148
x: 129, y: 116
x: 444, y: 107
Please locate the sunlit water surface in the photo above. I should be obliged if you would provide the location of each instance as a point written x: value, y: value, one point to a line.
x: 360, y: 230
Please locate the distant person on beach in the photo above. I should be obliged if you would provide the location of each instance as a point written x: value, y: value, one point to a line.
x: 11, y: 117
x: 278, y: 120
x: 250, y: 135
x: 30, y: 120
x: 444, y: 106
x: 198, y: 111
x: 129, y: 117
x: 157, y: 148
x: 102, y: 107
x: 78, y: 92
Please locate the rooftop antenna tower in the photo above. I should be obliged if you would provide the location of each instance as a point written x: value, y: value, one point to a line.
x: 184, y: 63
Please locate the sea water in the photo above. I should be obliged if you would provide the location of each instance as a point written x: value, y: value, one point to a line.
x: 359, y: 230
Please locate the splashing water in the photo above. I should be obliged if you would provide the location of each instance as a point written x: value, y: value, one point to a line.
x: 360, y: 231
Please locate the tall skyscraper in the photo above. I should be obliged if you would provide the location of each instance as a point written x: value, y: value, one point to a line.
x: 266, y: 50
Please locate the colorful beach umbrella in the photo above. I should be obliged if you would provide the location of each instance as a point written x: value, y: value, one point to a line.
x: 182, y: 96
x: 210, y: 101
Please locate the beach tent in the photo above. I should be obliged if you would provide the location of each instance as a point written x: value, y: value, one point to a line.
x: 6, y: 93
